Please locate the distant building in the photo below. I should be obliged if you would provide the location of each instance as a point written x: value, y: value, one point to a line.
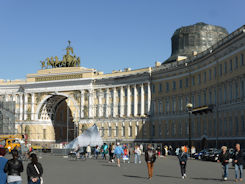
x: 206, y: 68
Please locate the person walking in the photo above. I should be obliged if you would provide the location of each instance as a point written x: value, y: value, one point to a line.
x: 126, y: 154
x: 150, y: 158
x: 97, y: 151
x: 137, y: 154
x: 182, y: 161
x: 34, y: 170
x: 224, y: 160
x: 105, y: 150
x: 88, y: 150
x: 3, y: 161
x: 118, y: 153
x: 238, y: 160
x: 13, y: 168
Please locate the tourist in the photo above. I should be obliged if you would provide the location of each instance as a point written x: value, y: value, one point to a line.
x: 105, y: 150
x: 224, y: 160
x: 137, y: 154
x: 3, y: 161
x: 177, y: 151
x: 150, y: 158
x: 13, y: 168
x: 88, y: 150
x: 118, y: 153
x: 238, y: 160
x: 110, y: 153
x: 193, y: 151
x: 125, y: 154
x: 182, y: 161
x: 97, y: 151
x: 34, y: 170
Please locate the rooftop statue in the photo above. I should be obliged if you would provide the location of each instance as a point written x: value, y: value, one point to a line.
x: 68, y: 60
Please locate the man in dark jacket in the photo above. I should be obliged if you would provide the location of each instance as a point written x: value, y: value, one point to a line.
x: 224, y: 160
x: 182, y: 161
x: 238, y: 160
x: 150, y: 158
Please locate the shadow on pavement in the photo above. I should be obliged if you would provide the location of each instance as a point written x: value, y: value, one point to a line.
x: 164, y: 176
x: 209, y: 179
x: 132, y: 176
x: 108, y: 165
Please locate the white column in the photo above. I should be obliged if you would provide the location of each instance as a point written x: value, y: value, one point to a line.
x: 114, y: 102
x: 90, y: 102
x: 135, y: 101
x: 25, y: 105
x: 128, y: 101
x: 107, y: 102
x: 82, y: 104
x: 142, y: 112
x: 32, y: 106
x: 21, y: 107
x: 149, y: 98
x: 100, y: 103
x: 6, y: 97
x: 121, y: 102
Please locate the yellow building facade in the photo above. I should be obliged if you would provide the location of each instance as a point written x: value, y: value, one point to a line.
x: 144, y: 105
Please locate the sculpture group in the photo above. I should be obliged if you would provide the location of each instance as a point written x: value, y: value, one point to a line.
x: 67, y: 61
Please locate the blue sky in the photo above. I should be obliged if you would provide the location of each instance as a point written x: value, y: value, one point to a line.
x: 106, y: 34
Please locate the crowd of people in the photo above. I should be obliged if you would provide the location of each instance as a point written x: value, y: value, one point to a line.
x: 10, y: 170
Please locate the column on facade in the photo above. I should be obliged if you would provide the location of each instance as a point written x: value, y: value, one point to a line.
x: 149, y: 98
x: 121, y: 102
x: 135, y: 101
x: 128, y: 101
x: 32, y: 106
x: 82, y: 104
x: 90, y: 103
x: 115, y: 102
x: 6, y: 97
x: 107, y: 102
x: 25, y: 105
x: 142, y: 98
x: 21, y: 107
x: 100, y: 103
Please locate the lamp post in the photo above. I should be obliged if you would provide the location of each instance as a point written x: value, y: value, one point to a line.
x: 189, y: 108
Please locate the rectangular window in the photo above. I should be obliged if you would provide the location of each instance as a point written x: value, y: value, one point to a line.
x: 225, y: 67
x: 166, y: 129
x: 174, y: 105
x: 231, y: 65
x: 186, y: 82
x: 159, y: 129
x: 210, y: 97
x: 210, y: 74
x: 130, y: 131
x: 236, y: 62
x: 193, y: 101
x: 204, y: 98
x: 225, y: 127
x: 242, y: 60
x: 225, y: 94
x: 193, y: 81
x: 220, y: 127
x: 167, y: 87
x: 153, y: 130
x: 116, y: 133
x: 220, y: 95
x: 102, y: 131
x: 123, y: 131
x: 137, y: 130
x: 180, y: 84
x: 231, y: 95
x: 242, y: 88
x: 205, y: 76
x: 215, y: 72
x: 230, y: 126
x: 174, y: 85
x: 220, y: 69
x: 160, y: 87
x: 126, y: 91
x: 199, y: 78
x: 199, y: 100
x: 153, y: 88
x: 215, y: 96
x: 237, y: 125
x: 109, y: 132
x: 236, y: 90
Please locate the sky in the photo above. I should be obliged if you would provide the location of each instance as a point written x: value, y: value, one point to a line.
x: 106, y: 34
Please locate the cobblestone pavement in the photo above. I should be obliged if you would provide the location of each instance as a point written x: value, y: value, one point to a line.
x: 59, y: 170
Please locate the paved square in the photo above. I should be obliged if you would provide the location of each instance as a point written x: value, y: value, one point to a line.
x: 60, y: 170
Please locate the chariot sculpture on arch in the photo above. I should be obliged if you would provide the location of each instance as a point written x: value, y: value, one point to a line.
x: 68, y: 60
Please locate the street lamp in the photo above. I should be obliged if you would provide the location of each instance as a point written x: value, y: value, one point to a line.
x: 189, y: 108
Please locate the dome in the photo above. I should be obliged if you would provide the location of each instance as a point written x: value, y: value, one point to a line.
x: 194, y: 39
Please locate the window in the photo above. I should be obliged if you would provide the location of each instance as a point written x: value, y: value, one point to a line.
x: 236, y: 62
x: 166, y: 129
x: 123, y: 131
x: 225, y: 67
x: 193, y: 100
x: 225, y: 127
x: 125, y: 92
x: 174, y: 85
x: 167, y: 87
x: 242, y: 88
x: 174, y: 104
x: 204, y: 98
x: 199, y: 100
x: 186, y: 82
x: 237, y: 125
x: 166, y: 105
x: 220, y: 69
x: 159, y: 129
x: 160, y: 107
x: 130, y: 131
x: 231, y: 65
x: 220, y: 95
x: 210, y: 74
x: 109, y: 132
x: 102, y: 131
x: 230, y: 125
x: 153, y: 88
x: 137, y: 130
x: 180, y: 84
x: 243, y: 124
x: 181, y: 103
x: 199, y: 78
x: 225, y: 94
x: 215, y: 96
x: 153, y: 130
x: 242, y: 60
x: 116, y: 131
x: 160, y: 87
x: 205, y: 76
x: 236, y: 90
x: 193, y: 81
x: 231, y: 92
x: 215, y: 72
x: 210, y: 97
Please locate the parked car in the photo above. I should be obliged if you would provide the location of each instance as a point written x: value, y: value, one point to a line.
x: 214, y: 155
x: 207, y: 155
x: 200, y: 154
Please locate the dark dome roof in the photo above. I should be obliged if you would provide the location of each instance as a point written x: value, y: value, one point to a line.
x: 197, y: 37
